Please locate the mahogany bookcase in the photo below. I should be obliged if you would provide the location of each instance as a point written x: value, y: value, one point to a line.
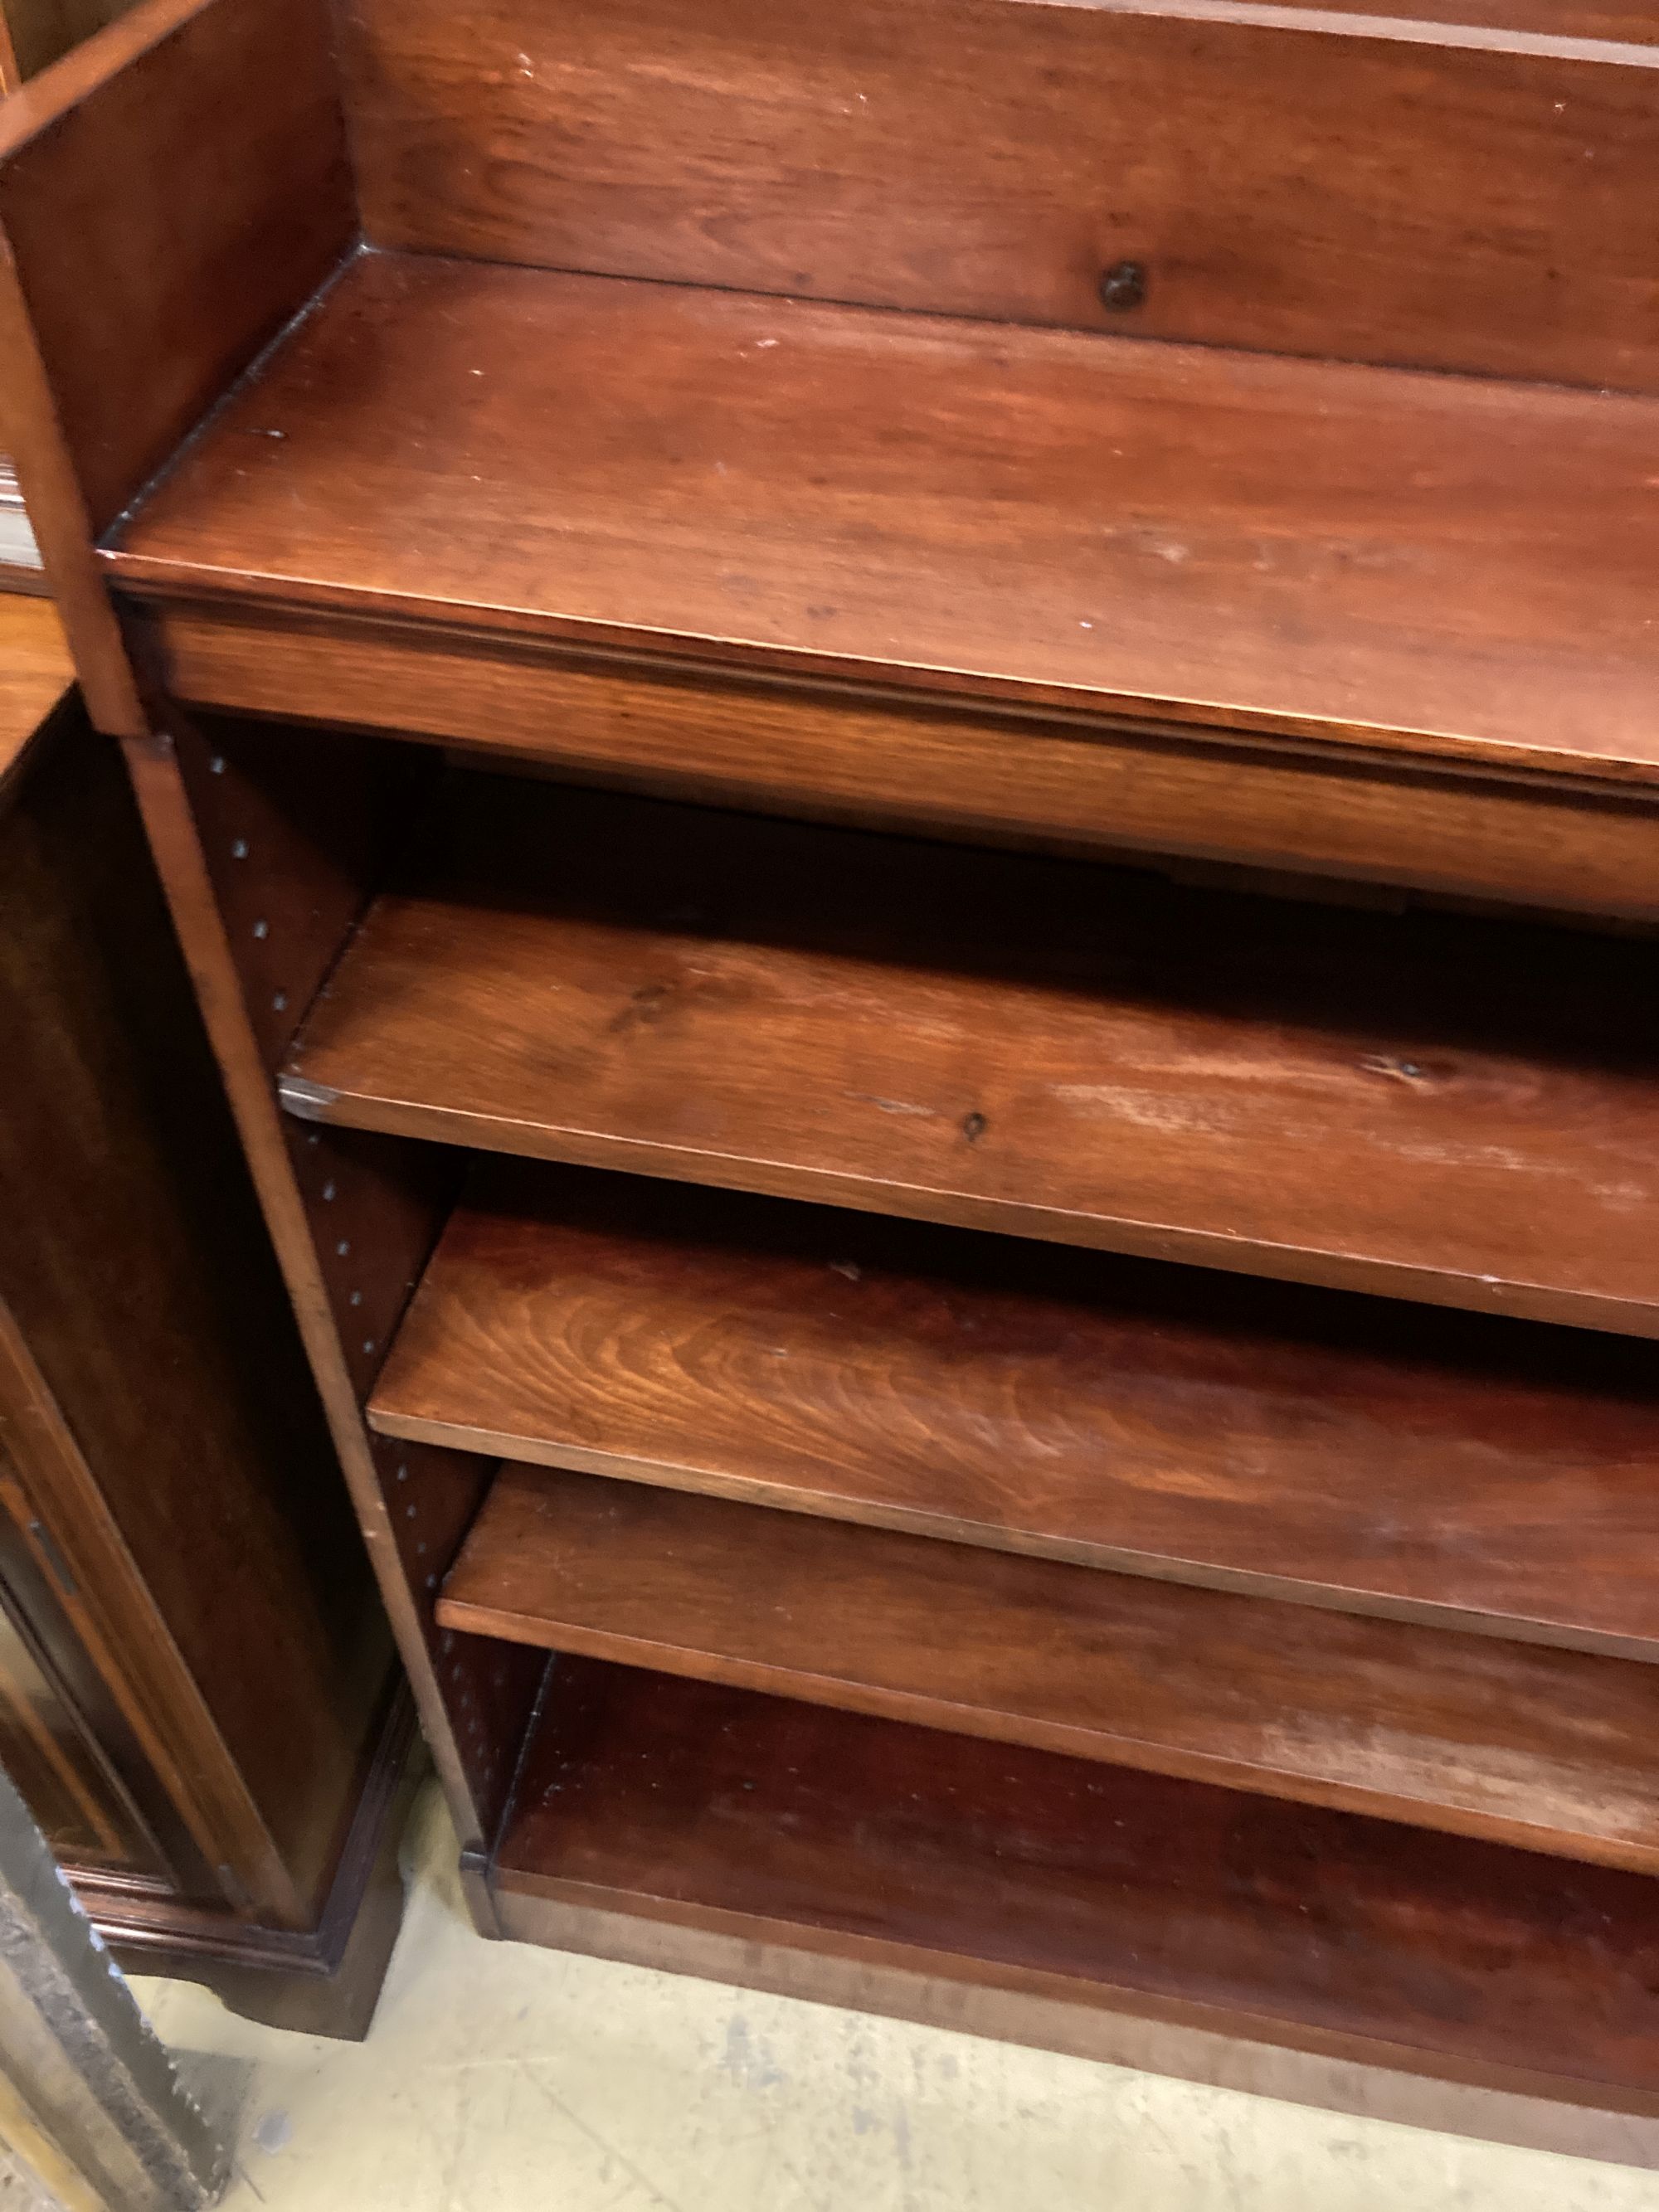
x: 908, y: 759
x: 198, y: 1697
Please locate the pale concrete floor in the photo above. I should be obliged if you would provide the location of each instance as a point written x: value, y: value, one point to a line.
x: 502, y: 2079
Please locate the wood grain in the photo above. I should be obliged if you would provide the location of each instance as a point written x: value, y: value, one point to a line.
x: 1552, y: 1750
x: 1038, y: 517
x: 346, y: 1302
x: 114, y: 1807
x: 1539, y: 839
x: 802, y: 1830
x: 1513, y: 23
x: 35, y: 673
x: 46, y: 479
x: 180, y: 1462
x: 1364, y: 1455
x: 297, y: 827
x: 195, y: 151
x: 1438, y: 1108
x: 992, y: 158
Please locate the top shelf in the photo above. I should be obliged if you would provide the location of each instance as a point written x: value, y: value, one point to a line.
x: 1034, y: 517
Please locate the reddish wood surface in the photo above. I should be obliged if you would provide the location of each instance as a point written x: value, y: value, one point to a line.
x: 180, y: 1464
x: 808, y: 1830
x: 1038, y: 517
x: 195, y: 152
x: 1515, y: 22
x: 1438, y: 1108
x: 382, y: 1205
x: 297, y: 827
x: 75, y: 1756
x: 57, y: 519
x: 1014, y: 519
x: 1542, y: 839
x: 1554, y: 1751
x: 35, y: 672
x: 992, y: 158
x: 1356, y: 1453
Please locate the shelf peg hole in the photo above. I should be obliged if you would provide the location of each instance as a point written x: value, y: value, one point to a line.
x: 1123, y: 286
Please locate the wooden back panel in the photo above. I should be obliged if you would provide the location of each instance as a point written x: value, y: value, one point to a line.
x: 1454, y: 198
x: 171, y: 193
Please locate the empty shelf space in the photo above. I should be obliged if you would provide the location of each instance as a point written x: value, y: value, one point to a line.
x: 767, y: 1841
x: 1114, y: 1413
x: 1552, y: 1750
x: 1437, y: 1108
x: 1041, y: 517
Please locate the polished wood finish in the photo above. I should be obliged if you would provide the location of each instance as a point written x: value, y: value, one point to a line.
x: 129, y: 1228
x: 1551, y: 1750
x: 256, y: 859
x: 990, y: 158
x: 69, y: 1753
x: 1035, y: 518
x: 1441, y: 1109
x: 292, y: 874
x: 1074, y: 783
x: 1503, y: 22
x: 176, y: 1533
x: 55, y: 516
x: 819, y: 477
x: 194, y: 150
x: 1348, y: 1452
x: 35, y: 673
x: 793, y: 1829
x: 326, y: 1979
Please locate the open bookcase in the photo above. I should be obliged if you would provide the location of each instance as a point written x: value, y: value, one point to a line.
x: 908, y: 759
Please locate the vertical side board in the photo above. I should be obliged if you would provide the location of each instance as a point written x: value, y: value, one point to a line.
x: 268, y: 843
x: 194, y: 153
x: 196, y: 1503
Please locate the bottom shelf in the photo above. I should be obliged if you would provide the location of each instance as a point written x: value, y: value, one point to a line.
x: 722, y: 1832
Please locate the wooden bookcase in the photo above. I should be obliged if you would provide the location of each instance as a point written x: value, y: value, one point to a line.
x: 908, y: 758
x: 198, y: 1696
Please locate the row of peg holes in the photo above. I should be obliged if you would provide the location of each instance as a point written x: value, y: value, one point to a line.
x: 411, y: 1513
x: 467, y: 1718
x: 240, y: 850
x: 342, y: 1249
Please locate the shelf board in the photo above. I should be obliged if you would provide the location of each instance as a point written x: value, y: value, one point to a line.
x: 1553, y: 1750
x: 655, y: 1814
x: 1351, y: 1452
x: 1041, y: 518
x: 1429, y: 1106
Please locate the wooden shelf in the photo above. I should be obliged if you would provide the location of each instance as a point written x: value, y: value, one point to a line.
x: 1351, y: 1452
x: 1433, y: 1107
x: 769, y: 1843
x: 1040, y: 518
x: 1107, y: 1392
x: 1551, y: 1750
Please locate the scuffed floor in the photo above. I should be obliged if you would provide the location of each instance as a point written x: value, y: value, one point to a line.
x: 502, y: 2079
